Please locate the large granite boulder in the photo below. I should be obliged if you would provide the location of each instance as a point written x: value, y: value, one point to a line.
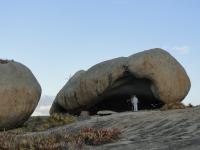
x: 19, y: 94
x: 153, y: 75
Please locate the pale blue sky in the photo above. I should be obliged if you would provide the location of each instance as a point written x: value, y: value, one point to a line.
x: 55, y: 38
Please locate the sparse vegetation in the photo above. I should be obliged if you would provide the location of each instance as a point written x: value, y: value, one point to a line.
x: 3, y: 61
x: 17, y: 139
x: 86, y: 136
x: 37, y: 124
x: 92, y: 136
x: 174, y: 105
x: 190, y: 105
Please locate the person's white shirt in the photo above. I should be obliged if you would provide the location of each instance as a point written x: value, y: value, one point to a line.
x: 134, y: 101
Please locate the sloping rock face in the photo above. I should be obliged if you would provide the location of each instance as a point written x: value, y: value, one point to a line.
x: 153, y: 75
x: 19, y: 94
x: 144, y: 130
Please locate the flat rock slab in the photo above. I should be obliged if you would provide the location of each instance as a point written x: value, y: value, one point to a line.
x: 105, y: 112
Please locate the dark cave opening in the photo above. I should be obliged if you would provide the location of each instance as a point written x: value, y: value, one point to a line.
x: 117, y: 97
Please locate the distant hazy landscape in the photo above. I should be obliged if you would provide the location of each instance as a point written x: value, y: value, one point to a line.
x: 43, y: 106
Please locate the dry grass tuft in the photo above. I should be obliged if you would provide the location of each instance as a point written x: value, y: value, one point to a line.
x: 174, y: 105
x: 92, y: 136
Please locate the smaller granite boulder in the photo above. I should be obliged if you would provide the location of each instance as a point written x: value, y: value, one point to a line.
x: 84, y: 115
x: 19, y: 94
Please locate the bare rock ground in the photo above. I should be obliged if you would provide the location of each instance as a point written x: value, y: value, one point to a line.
x: 152, y: 130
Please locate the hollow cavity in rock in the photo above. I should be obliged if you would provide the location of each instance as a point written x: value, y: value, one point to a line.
x: 117, y: 97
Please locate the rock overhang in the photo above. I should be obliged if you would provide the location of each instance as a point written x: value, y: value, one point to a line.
x: 154, y: 75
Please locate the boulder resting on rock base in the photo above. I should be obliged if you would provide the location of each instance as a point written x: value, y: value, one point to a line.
x: 154, y: 76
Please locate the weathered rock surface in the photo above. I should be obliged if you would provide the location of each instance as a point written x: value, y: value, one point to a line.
x: 152, y: 130
x: 154, y: 76
x: 19, y: 94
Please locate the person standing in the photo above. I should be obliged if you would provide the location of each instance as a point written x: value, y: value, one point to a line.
x: 134, y: 102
